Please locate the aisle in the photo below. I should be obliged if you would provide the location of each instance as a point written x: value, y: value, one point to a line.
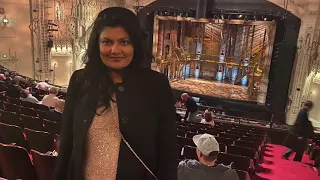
x: 276, y: 168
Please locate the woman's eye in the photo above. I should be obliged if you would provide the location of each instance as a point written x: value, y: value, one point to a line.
x: 125, y: 42
x: 107, y: 42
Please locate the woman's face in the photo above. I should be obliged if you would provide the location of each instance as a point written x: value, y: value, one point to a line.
x: 116, y: 49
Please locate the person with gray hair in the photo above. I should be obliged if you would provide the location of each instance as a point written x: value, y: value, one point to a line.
x: 192, y: 108
x: 206, y: 168
x: 51, y: 99
x: 56, y: 113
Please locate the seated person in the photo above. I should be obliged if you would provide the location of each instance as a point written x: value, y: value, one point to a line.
x: 14, y: 89
x: 206, y: 168
x: 26, y: 96
x: 56, y: 113
x: 51, y: 99
x: 207, y: 119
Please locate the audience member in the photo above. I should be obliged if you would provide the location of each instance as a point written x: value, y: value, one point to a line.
x: 26, y: 96
x: 14, y: 89
x: 3, y: 83
x: 51, y: 99
x: 56, y: 113
x: 192, y: 108
x: 207, y: 119
x: 206, y: 168
x: 43, y: 86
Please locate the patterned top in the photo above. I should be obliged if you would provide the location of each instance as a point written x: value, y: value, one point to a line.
x: 103, y: 145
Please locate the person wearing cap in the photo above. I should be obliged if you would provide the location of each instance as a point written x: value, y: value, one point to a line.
x: 206, y: 168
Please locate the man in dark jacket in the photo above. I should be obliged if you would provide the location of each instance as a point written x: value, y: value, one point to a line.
x: 299, y: 134
x: 192, y: 108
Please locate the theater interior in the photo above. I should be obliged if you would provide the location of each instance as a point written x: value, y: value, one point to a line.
x: 253, y: 65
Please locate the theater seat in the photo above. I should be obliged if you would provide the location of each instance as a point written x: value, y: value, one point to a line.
x: 15, y: 163
x: 39, y: 141
x: 52, y: 127
x: 33, y: 123
x: 10, y: 118
x: 239, y: 162
x: 12, y: 134
x: 44, y: 165
x: 189, y: 152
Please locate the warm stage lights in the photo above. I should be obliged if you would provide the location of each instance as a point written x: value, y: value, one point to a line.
x: 5, y: 20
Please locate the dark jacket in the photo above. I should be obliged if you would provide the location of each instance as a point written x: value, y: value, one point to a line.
x: 303, y: 127
x: 146, y: 119
x: 194, y: 170
x: 54, y: 115
x: 191, y: 106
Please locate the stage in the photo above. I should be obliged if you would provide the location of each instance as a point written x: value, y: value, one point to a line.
x: 212, y: 88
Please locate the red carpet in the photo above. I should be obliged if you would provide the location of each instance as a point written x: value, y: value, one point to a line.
x: 276, y: 168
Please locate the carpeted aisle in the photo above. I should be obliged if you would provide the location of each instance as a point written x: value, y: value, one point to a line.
x: 276, y: 168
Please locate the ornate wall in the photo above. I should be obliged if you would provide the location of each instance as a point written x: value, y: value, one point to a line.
x: 307, y: 56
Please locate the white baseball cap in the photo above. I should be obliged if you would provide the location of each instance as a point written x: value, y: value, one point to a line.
x: 206, y: 143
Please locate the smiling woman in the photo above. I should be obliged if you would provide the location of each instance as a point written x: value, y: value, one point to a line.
x: 113, y: 126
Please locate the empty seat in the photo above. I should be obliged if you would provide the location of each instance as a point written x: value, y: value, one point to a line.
x: 26, y: 104
x: 190, y: 134
x: 28, y: 111
x: 182, y: 141
x: 12, y: 134
x: 52, y: 127
x: 15, y: 163
x: 10, y: 118
x: 11, y: 108
x: 189, y: 152
x: 248, y: 144
x: 39, y: 140
x: 42, y: 114
x: 243, y: 175
x: 44, y: 165
x: 222, y: 147
x: 13, y: 100
x: 33, y: 123
x: 228, y: 135
x: 226, y: 141
x: 242, y: 151
x: 238, y: 162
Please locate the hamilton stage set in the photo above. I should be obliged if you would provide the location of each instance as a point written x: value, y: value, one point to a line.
x: 235, y: 56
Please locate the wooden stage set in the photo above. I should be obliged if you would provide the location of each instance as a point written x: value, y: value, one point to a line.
x: 212, y: 88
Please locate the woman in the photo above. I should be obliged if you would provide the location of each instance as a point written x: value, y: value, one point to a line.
x: 113, y: 96
x: 207, y: 119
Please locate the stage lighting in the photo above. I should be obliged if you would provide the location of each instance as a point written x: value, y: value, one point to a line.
x: 222, y: 16
x: 240, y: 16
x: 265, y: 18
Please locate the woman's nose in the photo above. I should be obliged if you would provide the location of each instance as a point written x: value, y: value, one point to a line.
x: 115, y: 49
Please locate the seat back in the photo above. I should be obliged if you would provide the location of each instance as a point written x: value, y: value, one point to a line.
x: 13, y: 100
x: 248, y: 144
x: 182, y: 141
x: 238, y: 162
x: 226, y: 141
x: 33, y: 123
x: 191, y: 134
x: 28, y: 111
x: 242, y: 151
x: 39, y: 141
x: 10, y: 118
x: 12, y: 134
x: 15, y: 163
x: 228, y: 135
x: 52, y: 127
x: 11, y: 108
x: 243, y: 175
x: 44, y: 165
x: 189, y: 152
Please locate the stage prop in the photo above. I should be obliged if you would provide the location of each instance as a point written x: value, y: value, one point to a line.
x: 240, y: 50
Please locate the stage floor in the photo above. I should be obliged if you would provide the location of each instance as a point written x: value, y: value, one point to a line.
x: 210, y: 88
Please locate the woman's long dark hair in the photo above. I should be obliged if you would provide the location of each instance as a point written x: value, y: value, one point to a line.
x: 98, y: 86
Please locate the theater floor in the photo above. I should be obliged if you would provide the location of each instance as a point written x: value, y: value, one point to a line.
x: 276, y: 168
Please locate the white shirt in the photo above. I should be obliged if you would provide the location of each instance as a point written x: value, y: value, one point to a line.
x: 50, y: 100
x: 203, y: 121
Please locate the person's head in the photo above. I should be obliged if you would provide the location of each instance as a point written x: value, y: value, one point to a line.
x: 24, y: 94
x: 208, y: 116
x: 207, y: 148
x: 308, y: 105
x: 54, y: 90
x: 116, y: 42
x: 59, y: 106
x: 16, y: 80
x: 184, y: 96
